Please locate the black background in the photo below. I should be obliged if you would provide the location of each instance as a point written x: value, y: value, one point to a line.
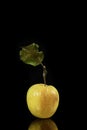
x: 58, y: 34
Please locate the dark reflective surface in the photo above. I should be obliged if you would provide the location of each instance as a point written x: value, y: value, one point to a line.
x: 43, y: 124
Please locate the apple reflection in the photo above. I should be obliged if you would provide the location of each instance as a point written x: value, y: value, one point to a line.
x: 43, y: 124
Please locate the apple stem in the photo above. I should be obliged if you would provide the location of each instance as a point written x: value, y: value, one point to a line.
x: 44, y: 73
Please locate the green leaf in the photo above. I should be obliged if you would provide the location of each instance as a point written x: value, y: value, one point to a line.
x: 31, y: 55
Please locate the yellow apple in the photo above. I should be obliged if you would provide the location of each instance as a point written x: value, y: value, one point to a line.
x: 46, y: 124
x: 42, y: 100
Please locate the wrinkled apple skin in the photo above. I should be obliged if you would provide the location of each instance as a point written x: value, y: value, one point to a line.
x: 42, y: 100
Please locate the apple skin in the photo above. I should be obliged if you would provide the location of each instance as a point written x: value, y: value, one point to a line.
x: 43, y: 124
x: 42, y: 100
